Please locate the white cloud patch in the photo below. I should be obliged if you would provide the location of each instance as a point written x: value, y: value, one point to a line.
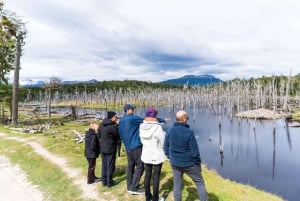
x: 158, y: 40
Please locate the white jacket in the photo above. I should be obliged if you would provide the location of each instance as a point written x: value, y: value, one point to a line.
x: 152, y: 137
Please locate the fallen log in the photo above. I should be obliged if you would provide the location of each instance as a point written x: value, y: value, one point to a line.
x: 79, y: 137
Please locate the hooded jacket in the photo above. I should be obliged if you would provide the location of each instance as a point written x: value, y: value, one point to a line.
x: 109, y: 136
x: 91, y: 146
x: 152, y: 137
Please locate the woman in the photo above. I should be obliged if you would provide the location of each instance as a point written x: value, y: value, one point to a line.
x: 91, y: 151
x: 152, y: 137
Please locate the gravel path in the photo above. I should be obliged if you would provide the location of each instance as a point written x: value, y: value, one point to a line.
x: 10, y: 178
x: 14, y: 184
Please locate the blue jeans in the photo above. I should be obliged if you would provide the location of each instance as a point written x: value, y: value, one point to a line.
x: 156, y: 176
x: 135, y: 168
x: 194, y: 172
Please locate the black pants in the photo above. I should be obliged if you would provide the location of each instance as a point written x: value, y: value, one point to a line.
x: 108, y: 168
x: 91, y: 169
x: 150, y: 170
x: 135, y: 168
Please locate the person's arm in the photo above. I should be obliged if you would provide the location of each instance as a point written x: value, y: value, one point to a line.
x: 113, y: 129
x: 161, y: 120
x: 194, y: 149
x: 137, y: 119
x: 166, y: 145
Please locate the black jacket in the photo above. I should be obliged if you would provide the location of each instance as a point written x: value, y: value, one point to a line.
x: 109, y: 136
x: 91, y: 149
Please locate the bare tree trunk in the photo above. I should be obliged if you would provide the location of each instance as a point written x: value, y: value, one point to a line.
x: 15, y: 98
x: 49, y: 102
x: 287, y: 91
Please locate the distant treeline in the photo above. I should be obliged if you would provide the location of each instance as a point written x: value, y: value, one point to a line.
x: 279, y: 82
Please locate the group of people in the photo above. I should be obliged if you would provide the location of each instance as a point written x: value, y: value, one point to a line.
x: 147, y: 146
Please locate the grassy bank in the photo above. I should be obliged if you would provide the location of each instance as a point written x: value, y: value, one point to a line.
x: 56, y: 186
x: 296, y: 115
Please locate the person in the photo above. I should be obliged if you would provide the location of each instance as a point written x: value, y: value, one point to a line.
x: 91, y: 151
x: 181, y: 148
x: 109, y: 138
x: 129, y: 132
x: 152, y: 137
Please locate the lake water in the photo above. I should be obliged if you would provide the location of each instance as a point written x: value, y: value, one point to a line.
x: 264, y: 157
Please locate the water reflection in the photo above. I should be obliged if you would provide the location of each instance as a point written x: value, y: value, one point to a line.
x: 274, y: 151
x: 256, y: 148
x: 288, y: 133
x: 248, y: 151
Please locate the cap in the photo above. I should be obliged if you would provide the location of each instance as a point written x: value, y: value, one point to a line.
x: 128, y: 107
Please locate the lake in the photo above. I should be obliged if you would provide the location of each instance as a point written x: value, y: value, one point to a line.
x: 263, y: 157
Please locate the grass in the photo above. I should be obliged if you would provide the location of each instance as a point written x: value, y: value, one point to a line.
x: 57, y: 186
x: 296, y: 115
x: 50, y: 178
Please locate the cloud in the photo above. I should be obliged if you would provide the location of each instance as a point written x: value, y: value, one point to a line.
x: 158, y: 40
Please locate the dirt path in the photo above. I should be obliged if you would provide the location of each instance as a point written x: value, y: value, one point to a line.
x: 14, y: 184
x: 88, y: 191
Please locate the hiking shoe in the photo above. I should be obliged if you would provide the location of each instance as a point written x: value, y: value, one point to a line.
x: 137, y: 192
x: 97, y: 179
x: 112, y: 184
x: 91, y: 182
x: 161, y: 199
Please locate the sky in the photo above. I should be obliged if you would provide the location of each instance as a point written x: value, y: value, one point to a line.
x: 156, y: 40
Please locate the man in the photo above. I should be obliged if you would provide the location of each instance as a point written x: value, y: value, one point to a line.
x: 129, y: 133
x: 109, y: 135
x: 181, y: 148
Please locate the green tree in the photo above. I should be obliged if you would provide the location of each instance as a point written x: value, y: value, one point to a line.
x: 12, y: 34
x: 7, y: 43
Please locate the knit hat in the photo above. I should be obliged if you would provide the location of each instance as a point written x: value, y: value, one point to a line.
x: 151, y: 112
x: 110, y: 114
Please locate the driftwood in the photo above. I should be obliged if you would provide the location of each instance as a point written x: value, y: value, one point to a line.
x: 260, y: 113
x: 79, y: 137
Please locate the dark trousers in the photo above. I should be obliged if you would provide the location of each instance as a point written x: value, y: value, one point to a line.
x: 135, y: 168
x: 108, y: 168
x: 119, y: 145
x: 91, y: 169
x: 194, y: 172
x: 150, y: 170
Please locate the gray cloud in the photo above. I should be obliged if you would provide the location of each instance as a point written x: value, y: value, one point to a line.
x: 155, y: 41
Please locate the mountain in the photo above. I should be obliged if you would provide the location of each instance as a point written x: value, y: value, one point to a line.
x: 32, y: 83
x: 194, y: 80
x: 77, y: 82
x: 40, y: 83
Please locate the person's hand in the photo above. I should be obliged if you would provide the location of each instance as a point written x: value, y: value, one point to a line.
x: 95, y: 126
x: 166, y: 120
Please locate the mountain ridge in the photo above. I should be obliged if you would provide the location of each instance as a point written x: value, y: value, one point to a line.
x: 201, y: 80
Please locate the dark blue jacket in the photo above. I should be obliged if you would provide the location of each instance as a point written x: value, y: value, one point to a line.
x: 181, y: 147
x: 91, y: 148
x: 129, y: 131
